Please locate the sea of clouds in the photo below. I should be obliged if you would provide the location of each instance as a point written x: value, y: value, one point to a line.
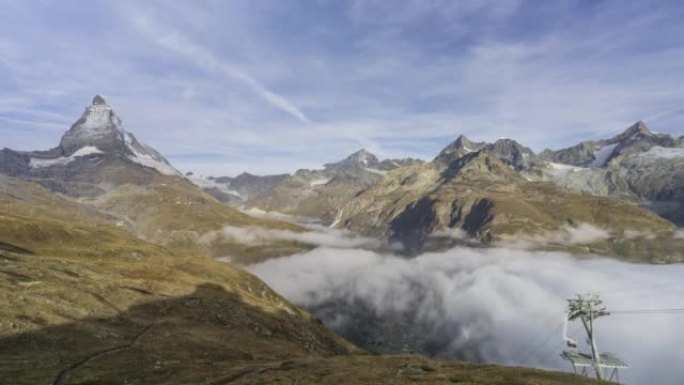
x: 496, y: 305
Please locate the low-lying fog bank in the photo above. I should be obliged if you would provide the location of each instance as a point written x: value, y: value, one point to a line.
x: 488, y: 305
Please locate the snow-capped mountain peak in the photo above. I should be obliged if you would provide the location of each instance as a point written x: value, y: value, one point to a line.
x: 99, y: 126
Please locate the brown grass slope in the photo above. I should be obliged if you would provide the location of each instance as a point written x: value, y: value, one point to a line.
x: 179, y: 215
x: 83, y: 302
x: 296, y: 196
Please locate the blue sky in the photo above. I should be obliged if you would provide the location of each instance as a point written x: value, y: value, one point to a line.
x: 271, y: 86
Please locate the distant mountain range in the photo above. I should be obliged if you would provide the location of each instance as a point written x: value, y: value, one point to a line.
x: 107, y: 251
x: 639, y: 165
x: 473, y: 193
x: 104, y: 167
x: 499, y: 192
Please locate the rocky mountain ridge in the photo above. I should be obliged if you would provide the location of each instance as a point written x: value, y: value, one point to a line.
x: 317, y: 193
x: 638, y: 165
x: 90, y: 302
x: 101, y: 165
x: 495, y: 192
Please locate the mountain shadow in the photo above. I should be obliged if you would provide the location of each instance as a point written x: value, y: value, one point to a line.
x: 198, y: 338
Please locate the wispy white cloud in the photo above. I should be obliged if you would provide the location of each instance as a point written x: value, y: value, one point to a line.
x: 401, y: 79
x: 201, y: 56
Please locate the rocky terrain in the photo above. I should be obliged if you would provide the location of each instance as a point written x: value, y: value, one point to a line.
x: 104, y: 167
x: 235, y: 191
x: 101, y: 284
x: 318, y: 193
x: 480, y: 200
x: 480, y: 193
x: 638, y: 164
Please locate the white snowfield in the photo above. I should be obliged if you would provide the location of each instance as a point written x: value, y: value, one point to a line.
x: 84, y: 151
x: 375, y: 171
x: 148, y: 158
x: 602, y: 155
x: 319, y: 182
x: 560, y: 169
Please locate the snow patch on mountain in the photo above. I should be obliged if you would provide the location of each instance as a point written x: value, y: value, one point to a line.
x: 98, y: 116
x: 320, y: 182
x: 560, y: 169
x: 146, y: 156
x: 602, y: 155
x: 84, y: 151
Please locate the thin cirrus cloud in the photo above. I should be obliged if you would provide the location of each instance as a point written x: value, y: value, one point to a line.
x: 202, y: 57
x: 269, y: 87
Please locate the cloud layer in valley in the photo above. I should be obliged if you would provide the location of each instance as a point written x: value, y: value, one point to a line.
x: 488, y: 305
x: 321, y: 237
x: 225, y: 87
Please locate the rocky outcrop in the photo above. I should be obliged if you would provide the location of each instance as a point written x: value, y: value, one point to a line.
x: 320, y: 193
x: 508, y: 151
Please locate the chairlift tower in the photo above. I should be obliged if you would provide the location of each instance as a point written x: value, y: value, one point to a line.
x: 587, y: 308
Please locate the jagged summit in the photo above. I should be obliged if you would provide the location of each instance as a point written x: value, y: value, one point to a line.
x: 508, y: 150
x: 638, y: 128
x: 99, y: 100
x: 94, y: 155
x: 511, y: 153
x: 99, y: 126
x: 458, y: 148
x: 481, y: 165
x: 361, y: 158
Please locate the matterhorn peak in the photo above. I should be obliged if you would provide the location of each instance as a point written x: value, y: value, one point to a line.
x: 98, y: 100
x: 99, y: 126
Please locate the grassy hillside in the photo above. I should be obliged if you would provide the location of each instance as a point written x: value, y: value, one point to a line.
x: 178, y: 215
x: 84, y: 302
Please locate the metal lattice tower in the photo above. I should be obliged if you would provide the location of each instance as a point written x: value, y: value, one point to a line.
x: 587, y: 308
